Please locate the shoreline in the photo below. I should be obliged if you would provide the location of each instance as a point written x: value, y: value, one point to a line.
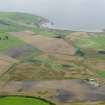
x: 51, y: 25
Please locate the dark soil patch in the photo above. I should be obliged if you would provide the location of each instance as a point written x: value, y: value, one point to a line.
x: 95, y: 97
x: 21, y: 51
x: 64, y: 95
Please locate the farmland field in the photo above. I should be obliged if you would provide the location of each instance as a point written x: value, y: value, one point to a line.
x: 15, y: 100
x: 93, y: 42
x: 8, y: 41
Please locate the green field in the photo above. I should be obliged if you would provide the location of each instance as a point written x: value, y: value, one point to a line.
x: 101, y: 74
x: 22, y: 17
x: 8, y: 21
x: 15, y: 100
x: 8, y: 41
x: 91, y: 42
x: 51, y: 32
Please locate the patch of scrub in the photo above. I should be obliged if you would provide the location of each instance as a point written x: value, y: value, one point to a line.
x: 23, y: 51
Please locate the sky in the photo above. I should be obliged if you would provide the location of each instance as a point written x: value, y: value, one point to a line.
x: 70, y: 13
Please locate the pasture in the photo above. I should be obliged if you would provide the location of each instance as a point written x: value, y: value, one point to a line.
x: 16, y: 100
x: 91, y: 42
x: 8, y: 41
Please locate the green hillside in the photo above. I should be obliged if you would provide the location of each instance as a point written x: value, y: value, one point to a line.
x: 12, y: 21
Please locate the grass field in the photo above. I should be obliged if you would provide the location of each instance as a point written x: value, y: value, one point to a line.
x: 91, y: 42
x: 101, y: 74
x: 50, y: 32
x: 15, y: 100
x: 22, y: 17
x: 8, y: 21
x: 9, y: 42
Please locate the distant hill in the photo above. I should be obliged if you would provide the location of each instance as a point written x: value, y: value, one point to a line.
x: 14, y: 21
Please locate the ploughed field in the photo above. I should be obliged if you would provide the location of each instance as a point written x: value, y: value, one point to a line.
x: 30, y: 55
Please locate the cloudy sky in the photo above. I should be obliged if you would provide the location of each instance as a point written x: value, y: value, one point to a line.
x: 76, y: 13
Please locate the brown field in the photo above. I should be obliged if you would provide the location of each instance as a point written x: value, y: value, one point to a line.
x: 53, y: 46
x: 75, y: 35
